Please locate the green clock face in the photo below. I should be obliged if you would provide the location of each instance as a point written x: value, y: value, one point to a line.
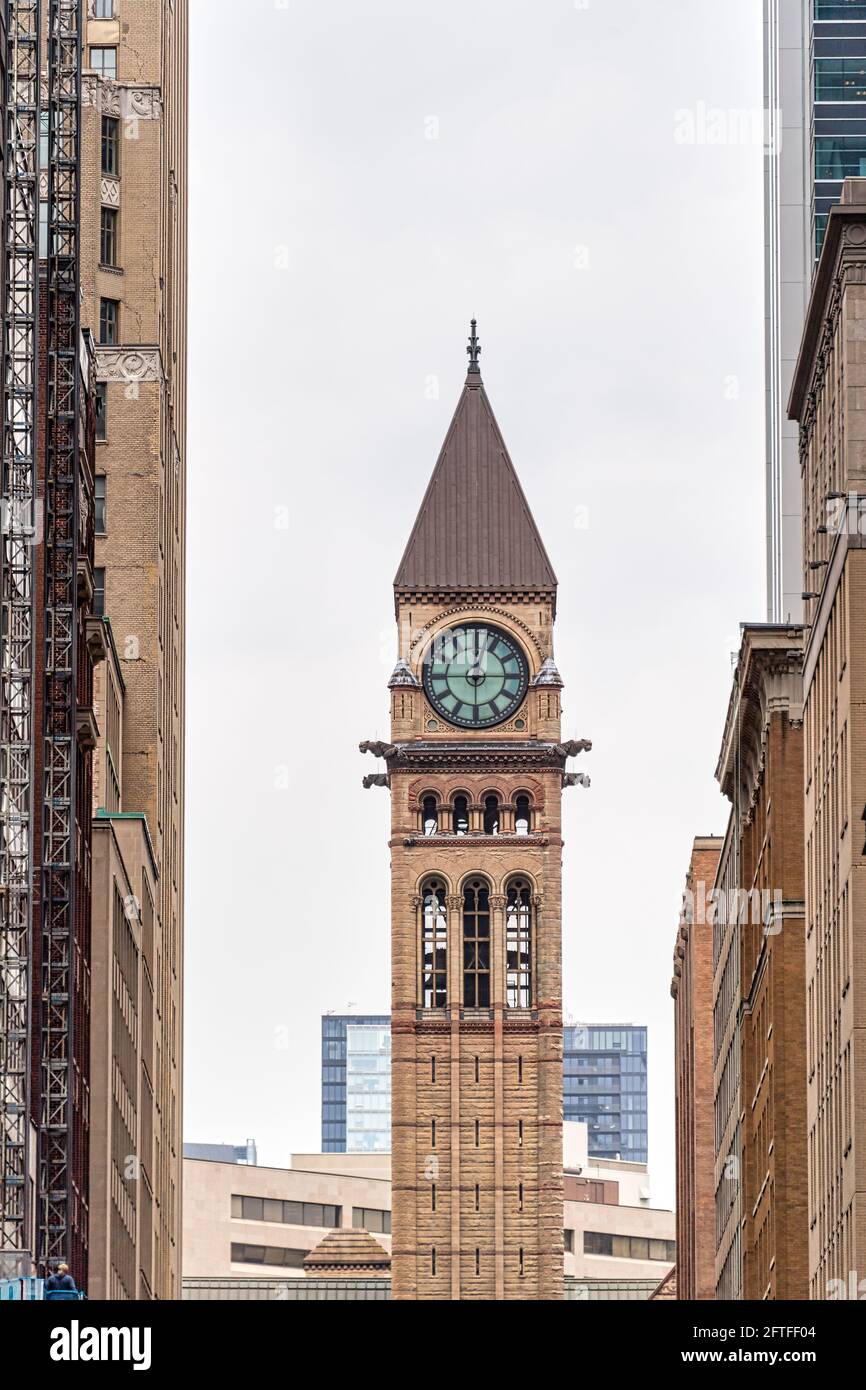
x: 475, y: 675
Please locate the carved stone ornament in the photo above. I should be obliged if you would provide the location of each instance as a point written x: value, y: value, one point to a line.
x: 376, y: 779
x: 127, y: 365
x: 379, y: 750
x: 126, y: 103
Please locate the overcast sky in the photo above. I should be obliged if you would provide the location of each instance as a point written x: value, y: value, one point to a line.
x: 365, y: 177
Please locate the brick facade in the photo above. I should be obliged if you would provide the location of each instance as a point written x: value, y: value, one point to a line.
x: 692, y: 991
x: 760, y: 977
x: 827, y: 401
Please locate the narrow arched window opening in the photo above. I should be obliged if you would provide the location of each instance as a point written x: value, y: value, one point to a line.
x: 476, y: 945
x: 461, y: 815
x: 522, y: 816
x: 429, y: 815
x: 434, y: 946
x: 491, y: 815
x: 518, y: 945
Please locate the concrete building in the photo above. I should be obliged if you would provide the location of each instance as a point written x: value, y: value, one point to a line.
x: 224, y: 1153
x: 476, y: 768
x: 133, y: 277
x: 827, y: 402
x: 692, y: 992
x: 759, y: 986
x: 604, y: 1085
x: 814, y: 94
x: 356, y: 1083
x: 250, y: 1231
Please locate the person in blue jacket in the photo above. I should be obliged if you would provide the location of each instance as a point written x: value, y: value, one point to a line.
x: 61, y: 1279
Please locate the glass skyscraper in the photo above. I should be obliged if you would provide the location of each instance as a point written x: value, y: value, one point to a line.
x: 356, y: 1083
x: 605, y: 1086
x: 815, y: 136
x: 838, y: 84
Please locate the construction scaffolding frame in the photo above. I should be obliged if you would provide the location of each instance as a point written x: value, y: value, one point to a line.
x: 19, y: 536
x: 62, y: 1214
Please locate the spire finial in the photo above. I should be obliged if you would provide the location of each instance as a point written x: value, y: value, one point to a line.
x: 474, y: 349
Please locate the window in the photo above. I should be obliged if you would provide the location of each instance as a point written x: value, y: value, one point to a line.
x: 101, y: 403
x: 43, y: 229
x: 109, y: 322
x: 44, y: 132
x: 104, y: 9
x: 628, y: 1247
x: 108, y: 236
x: 429, y: 815
x: 461, y: 815
x: 104, y: 62
x: 840, y: 9
x: 99, y: 503
x: 372, y: 1219
x: 522, y: 816
x: 491, y: 815
x: 434, y: 946
x: 476, y: 945
x: 274, y: 1256
x: 840, y: 79
x: 518, y: 945
x: 98, y: 609
x: 110, y: 146
x: 286, y: 1213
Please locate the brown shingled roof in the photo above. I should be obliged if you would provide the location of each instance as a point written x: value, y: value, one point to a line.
x: 475, y: 530
x: 348, y: 1252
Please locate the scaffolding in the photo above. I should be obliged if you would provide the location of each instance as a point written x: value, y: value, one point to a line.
x: 19, y: 534
x: 61, y: 1215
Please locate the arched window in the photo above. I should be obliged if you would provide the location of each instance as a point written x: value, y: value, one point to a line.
x: 476, y: 945
x: 461, y: 815
x: 491, y: 815
x: 429, y: 815
x: 522, y: 816
x: 518, y: 945
x: 434, y: 945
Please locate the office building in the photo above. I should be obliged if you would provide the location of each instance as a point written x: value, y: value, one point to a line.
x: 692, y: 993
x: 605, y: 1087
x: 759, y: 978
x: 815, y: 102
x: 356, y: 1083
x: 827, y: 404
x: 133, y: 282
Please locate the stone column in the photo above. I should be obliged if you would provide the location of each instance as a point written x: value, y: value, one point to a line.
x: 506, y: 819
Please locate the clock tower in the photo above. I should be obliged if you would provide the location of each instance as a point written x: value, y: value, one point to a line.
x: 476, y: 768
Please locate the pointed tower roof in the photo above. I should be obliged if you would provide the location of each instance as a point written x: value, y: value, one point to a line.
x: 475, y: 531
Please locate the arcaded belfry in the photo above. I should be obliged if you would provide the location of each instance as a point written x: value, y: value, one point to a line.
x: 476, y: 769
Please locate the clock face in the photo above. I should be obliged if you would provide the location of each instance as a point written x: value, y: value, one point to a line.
x: 475, y: 675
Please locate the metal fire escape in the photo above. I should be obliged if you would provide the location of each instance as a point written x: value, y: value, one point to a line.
x: 19, y: 434
x: 61, y: 1215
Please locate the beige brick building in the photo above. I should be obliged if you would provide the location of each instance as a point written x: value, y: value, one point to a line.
x: 828, y: 400
x: 475, y: 769
x: 692, y: 992
x: 133, y: 213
